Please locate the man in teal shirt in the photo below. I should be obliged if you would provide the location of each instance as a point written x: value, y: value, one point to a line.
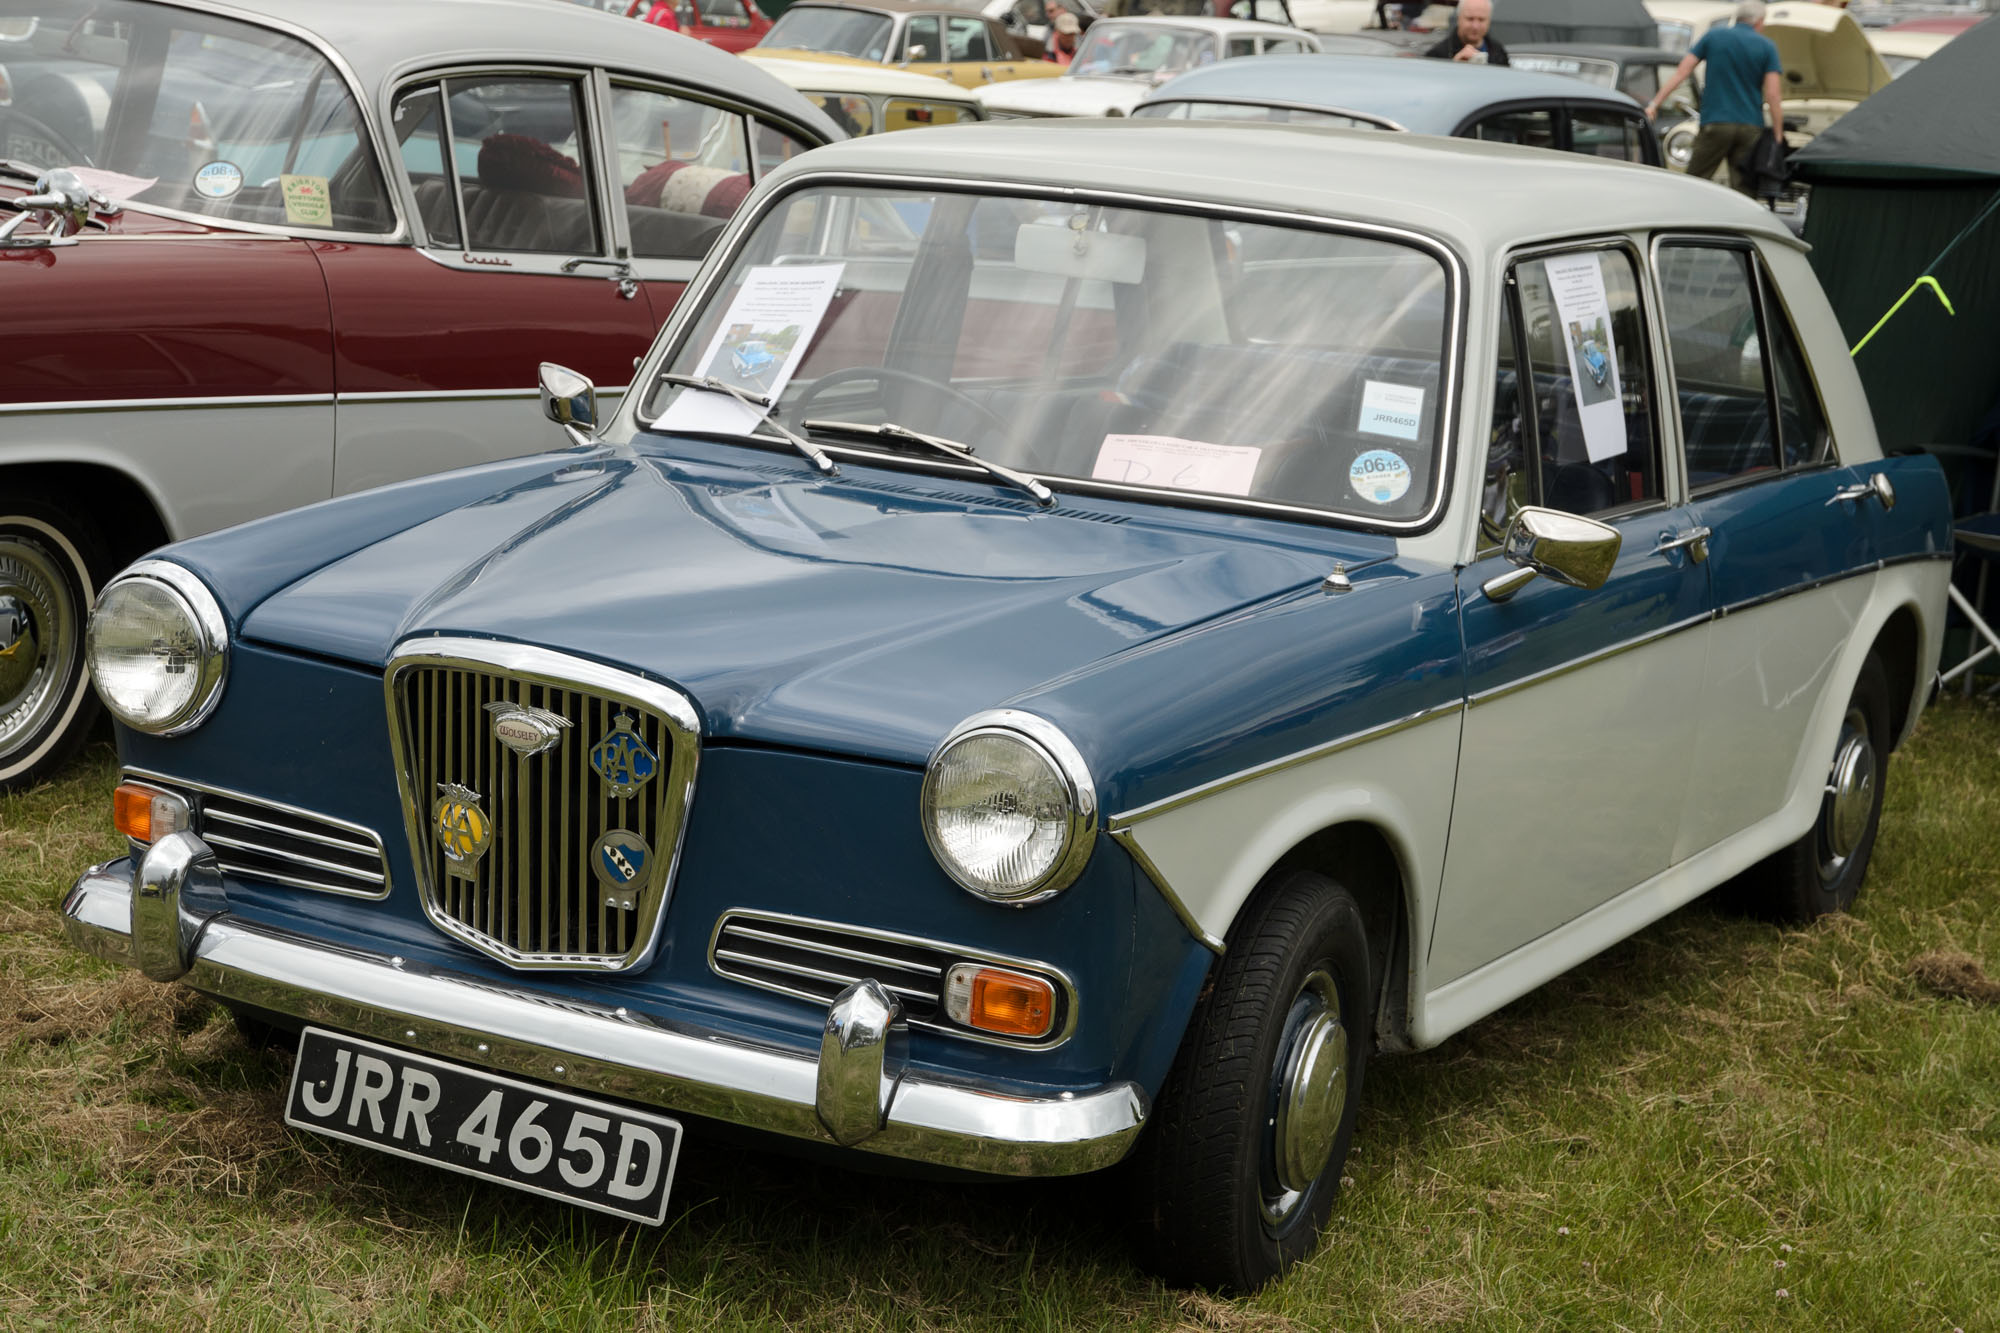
x: 1743, y: 69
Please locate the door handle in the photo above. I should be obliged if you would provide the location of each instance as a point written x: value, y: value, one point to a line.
x: 1877, y: 485
x: 1694, y: 540
x: 621, y: 273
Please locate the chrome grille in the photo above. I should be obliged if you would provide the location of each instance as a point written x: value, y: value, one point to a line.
x: 530, y: 897
x: 816, y: 960
x: 279, y: 844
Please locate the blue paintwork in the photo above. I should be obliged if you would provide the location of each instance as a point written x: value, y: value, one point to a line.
x: 1423, y: 96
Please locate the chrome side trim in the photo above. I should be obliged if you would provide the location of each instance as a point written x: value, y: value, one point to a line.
x: 967, y: 1123
x: 957, y: 952
x: 680, y: 324
x: 1124, y: 838
x: 530, y: 393
x: 1366, y: 117
x: 174, y: 404
x: 366, y: 839
x: 1592, y: 659
x: 1121, y: 822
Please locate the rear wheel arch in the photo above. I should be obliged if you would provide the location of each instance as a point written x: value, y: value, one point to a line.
x: 1899, y: 647
x: 126, y: 516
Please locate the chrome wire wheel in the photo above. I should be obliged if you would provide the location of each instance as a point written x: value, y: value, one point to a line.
x: 45, y: 592
x: 1846, y: 811
x: 1308, y: 1097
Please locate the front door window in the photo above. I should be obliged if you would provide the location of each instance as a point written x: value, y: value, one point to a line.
x: 519, y: 161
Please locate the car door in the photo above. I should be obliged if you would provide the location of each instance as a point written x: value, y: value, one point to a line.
x: 1575, y: 755
x: 1764, y: 472
x: 437, y: 345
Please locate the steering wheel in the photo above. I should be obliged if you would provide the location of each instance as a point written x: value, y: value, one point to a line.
x: 834, y: 379
x: 31, y: 141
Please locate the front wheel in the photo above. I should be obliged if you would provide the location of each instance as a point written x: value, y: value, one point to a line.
x: 48, y: 577
x: 1242, y: 1161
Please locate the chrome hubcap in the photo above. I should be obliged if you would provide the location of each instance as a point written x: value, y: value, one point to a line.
x: 1310, y: 1096
x: 38, y: 621
x: 1850, y: 794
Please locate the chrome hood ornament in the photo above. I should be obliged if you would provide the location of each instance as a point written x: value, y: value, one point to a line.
x: 524, y: 730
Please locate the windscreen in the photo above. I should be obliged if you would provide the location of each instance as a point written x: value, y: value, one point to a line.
x: 832, y: 31
x: 158, y: 105
x: 1184, y: 354
x: 1141, y: 50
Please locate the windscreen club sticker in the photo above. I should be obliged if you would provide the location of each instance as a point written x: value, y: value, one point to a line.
x: 1379, y: 476
x: 218, y: 180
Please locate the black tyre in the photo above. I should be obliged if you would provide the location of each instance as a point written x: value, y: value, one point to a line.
x: 1822, y: 872
x: 50, y: 564
x: 1240, y: 1166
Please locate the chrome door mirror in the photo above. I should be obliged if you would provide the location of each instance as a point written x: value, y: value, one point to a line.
x: 569, y: 400
x: 1565, y: 548
x: 916, y: 51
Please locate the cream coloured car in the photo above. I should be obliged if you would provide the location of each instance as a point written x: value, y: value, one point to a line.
x: 871, y: 99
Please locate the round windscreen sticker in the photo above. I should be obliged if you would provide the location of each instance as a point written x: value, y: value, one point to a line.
x: 218, y: 180
x: 1379, y: 476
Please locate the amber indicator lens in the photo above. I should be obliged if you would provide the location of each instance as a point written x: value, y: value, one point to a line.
x: 147, y: 814
x: 993, y: 999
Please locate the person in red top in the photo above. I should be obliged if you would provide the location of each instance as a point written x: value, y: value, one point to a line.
x: 1063, y: 31
x: 661, y: 14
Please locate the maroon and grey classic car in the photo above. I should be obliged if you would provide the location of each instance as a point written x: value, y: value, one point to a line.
x: 257, y: 254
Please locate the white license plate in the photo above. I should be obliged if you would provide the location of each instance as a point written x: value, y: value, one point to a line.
x: 542, y: 1140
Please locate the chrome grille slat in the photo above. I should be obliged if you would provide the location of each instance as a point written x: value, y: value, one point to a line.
x: 836, y: 980
x: 269, y: 843
x: 215, y: 839
x: 215, y: 813
x: 531, y: 898
x: 838, y: 951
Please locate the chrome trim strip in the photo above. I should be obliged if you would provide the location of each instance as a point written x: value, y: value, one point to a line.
x: 853, y: 955
x: 215, y: 839
x: 967, y: 1123
x: 174, y: 404
x: 800, y: 970
x: 1120, y: 822
x: 368, y: 835
x: 531, y: 393
x: 305, y: 835
x: 1125, y: 838
x: 526, y: 664
x: 1591, y: 659
x: 1366, y: 117
x: 730, y: 243
x: 1048, y: 971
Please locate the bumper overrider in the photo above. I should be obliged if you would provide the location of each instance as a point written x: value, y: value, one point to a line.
x: 163, y: 919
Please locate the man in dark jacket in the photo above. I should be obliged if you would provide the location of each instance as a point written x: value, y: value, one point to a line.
x: 1468, y: 41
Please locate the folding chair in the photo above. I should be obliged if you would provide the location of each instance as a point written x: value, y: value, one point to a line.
x: 1979, y: 535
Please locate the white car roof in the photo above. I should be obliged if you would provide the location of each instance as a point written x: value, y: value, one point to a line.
x: 830, y: 76
x: 1479, y: 198
x: 1226, y: 27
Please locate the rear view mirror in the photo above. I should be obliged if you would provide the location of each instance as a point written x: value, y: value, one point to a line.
x: 1069, y: 253
x: 916, y: 51
x: 1564, y: 548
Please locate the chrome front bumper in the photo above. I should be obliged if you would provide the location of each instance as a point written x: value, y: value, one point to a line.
x: 855, y: 1093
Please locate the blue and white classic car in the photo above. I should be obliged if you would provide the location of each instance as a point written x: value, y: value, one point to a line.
x: 1177, y: 628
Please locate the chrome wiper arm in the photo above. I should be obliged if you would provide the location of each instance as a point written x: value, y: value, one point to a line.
x: 1044, y: 497
x: 763, y: 407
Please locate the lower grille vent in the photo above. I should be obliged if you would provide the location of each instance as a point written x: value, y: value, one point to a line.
x: 260, y: 840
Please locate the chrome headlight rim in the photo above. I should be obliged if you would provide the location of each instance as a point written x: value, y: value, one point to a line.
x: 1048, y: 742
x: 204, y: 613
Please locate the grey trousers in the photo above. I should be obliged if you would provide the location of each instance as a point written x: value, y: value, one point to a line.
x: 1715, y: 143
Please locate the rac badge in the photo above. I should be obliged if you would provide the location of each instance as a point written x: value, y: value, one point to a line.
x: 623, y: 760
x: 461, y: 828
x: 524, y: 730
x: 619, y: 861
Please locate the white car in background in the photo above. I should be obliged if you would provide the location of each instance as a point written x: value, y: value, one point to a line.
x: 1120, y: 60
x: 1685, y: 22
x: 872, y: 99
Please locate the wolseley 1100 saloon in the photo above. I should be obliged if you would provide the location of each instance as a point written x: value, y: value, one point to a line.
x: 241, y: 272
x: 1179, y: 611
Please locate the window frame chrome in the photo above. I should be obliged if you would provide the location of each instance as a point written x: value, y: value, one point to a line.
x: 530, y: 664
x: 1450, y: 369
x: 1276, y: 104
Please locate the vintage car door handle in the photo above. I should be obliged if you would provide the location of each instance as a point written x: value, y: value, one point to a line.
x: 1695, y: 540
x: 621, y: 273
x: 1877, y: 485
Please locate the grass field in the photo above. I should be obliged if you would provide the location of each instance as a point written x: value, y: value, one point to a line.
x: 1717, y: 1125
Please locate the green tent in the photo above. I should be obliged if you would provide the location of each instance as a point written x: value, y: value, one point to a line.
x: 1908, y: 183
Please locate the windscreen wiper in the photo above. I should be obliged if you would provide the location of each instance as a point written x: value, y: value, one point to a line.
x: 889, y: 430
x: 763, y: 407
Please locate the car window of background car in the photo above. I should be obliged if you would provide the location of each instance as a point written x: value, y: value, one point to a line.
x: 518, y: 152
x: 1534, y: 129
x: 920, y: 39
x: 1601, y: 73
x: 418, y: 120
x: 1564, y: 475
x: 846, y: 32
x: 1140, y: 48
x: 775, y: 147
x: 1284, y: 46
x: 1640, y: 82
x: 1607, y: 132
x: 854, y: 114
x: 219, y: 117
x: 903, y: 113
x: 1305, y: 363
x: 1242, y: 46
x: 723, y: 13
x: 966, y: 39
x: 683, y: 168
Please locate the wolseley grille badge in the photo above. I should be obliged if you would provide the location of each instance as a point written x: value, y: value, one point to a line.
x: 619, y: 861
x: 622, y: 759
x: 524, y: 730
x: 461, y: 828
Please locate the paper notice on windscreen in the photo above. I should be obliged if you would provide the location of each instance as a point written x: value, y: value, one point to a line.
x: 760, y: 342
x: 1583, y: 313
x: 1188, y: 465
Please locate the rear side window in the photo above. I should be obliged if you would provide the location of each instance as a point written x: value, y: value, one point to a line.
x: 1532, y: 128
x: 418, y: 124
x: 920, y: 40
x: 683, y: 167
x: 504, y: 167
x: 965, y: 39
x: 1603, y: 132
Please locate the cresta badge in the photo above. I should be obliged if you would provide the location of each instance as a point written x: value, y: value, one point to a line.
x: 622, y: 759
x: 524, y: 730
x: 462, y: 830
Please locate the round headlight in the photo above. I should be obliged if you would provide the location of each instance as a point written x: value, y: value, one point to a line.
x: 1009, y: 808
x: 158, y: 648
